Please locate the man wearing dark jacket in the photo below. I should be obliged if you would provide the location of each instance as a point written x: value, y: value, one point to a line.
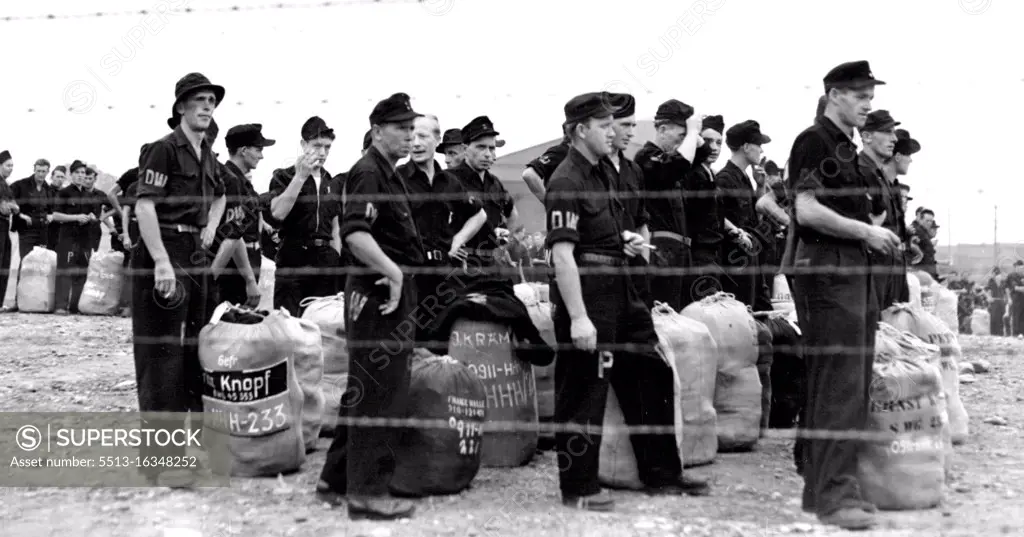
x: 35, y: 200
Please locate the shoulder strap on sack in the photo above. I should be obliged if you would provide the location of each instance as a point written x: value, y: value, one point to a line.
x: 223, y: 308
x: 311, y: 299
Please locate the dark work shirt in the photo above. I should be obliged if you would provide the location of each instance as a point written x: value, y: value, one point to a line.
x: 582, y: 208
x: 924, y: 242
x: 5, y: 219
x: 545, y: 164
x: 440, y: 209
x: 34, y: 200
x: 128, y: 178
x: 703, y: 219
x: 127, y: 199
x: 182, y: 185
x: 75, y: 201
x: 884, y: 196
x: 824, y: 161
x: 629, y: 178
x: 1014, y: 280
x: 242, y: 212
x: 314, y: 210
x: 492, y: 197
x: 737, y: 197
x: 663, y: 177
x: 377, y: 202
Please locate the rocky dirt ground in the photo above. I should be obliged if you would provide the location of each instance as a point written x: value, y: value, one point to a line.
x: 52, y: 363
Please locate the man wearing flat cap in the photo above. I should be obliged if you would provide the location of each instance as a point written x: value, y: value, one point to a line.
x: 629, y: 178
x: 597, y: 310
x: 452, y: 147
x: 878, y: 136
x: 77, y: 211
x: 703, y: 219
x: 737, y: 195
x: 482, y: 185
x: 384, y: 248
x: 180, y: 204
x: 836, y: 308
x: 306, y: 212
x: 665, y: 163
x: 240, y: 252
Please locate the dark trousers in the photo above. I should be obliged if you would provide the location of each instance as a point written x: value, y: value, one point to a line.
x: 889, y: 279
x: 639, y: 270
x: 996, y: 310
x: 73, y: 254
x: 435, y: 291
x: 5, y: 256
x: 743, y: 278
x: 231, y: 283
x: 838, y: 316
x: 126, y: 283
x: 642, y: 381
x: 305, y: 270
x: 1017, y: 316
x: 166, y: 331
x: 52, y: 235
x: 707, y: 276
x: 361, y: 459
x: 30, y: 238
x: 666, y: 286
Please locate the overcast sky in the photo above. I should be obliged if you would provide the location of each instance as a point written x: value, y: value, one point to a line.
x: 954, y: 69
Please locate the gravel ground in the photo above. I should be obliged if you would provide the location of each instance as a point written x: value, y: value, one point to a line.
x: 52, y: 363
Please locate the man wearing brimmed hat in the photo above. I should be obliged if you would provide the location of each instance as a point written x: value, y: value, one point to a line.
x: 737, y: 200
x: 242, y: 217
x: 836, y: 307
x: 306, y: 210
x: 180, y: 202
x: 596, y: 311
x: 385, y: 249
x: 879, y: 139
x: 453, y: 148
x: 665, y: 163
x: 474, y: 173
x: 703, y: 220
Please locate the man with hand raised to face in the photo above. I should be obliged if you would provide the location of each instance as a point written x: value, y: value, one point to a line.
x: 305, y: 210
x: 180, y: 201
x: 596, y: 311
x: 381, y: 236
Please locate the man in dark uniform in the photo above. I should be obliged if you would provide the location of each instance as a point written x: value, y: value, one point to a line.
x: 101, y: 207
x: 772, y: 207
x: 482, y: 185
x: 902, y: 157
x: 75, y: 209
x: 126, y: 237
x: 628, y: 180
x: 444, y: 213
x: 305, y: 209
x: 703, y: 220
x: 8, y: 207
x: 593, y: 311
x: 180, y: 203
x: 665, y: 163
x: 452, y: 148
x: 35, y: 203
x: 242, y: 217
x: 381, y: 236
x: 837, y: 310
x: 1014, y: 286
x: 539, y: 170
x: 339, y: 180
x: 921, y: 237
x: 58, y: 180
x: 737, y: 200
x: 879, y: 138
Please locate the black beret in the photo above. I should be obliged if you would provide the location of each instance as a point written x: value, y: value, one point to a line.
x: 5, y: 155
x: 879, y: 120
x: 625, y: 103
x: 247, y: 135
x: 771, y: 168
x: 479, y: 127
x: 851, y: 75
x: 715, y: 123
x: 75, y: 166
x: 589, y: 105
x: 314, y: 128
x: 395, y: 109
x: 674, y: 111
x: 747, y: 132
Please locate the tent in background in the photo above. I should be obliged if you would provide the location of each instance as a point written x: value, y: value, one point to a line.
x: 509, y: 169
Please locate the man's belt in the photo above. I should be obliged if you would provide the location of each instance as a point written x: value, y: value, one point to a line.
x: 180, y: 228
x: 601, y: 259
x: 670, y: 235
x: 306, y: 242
